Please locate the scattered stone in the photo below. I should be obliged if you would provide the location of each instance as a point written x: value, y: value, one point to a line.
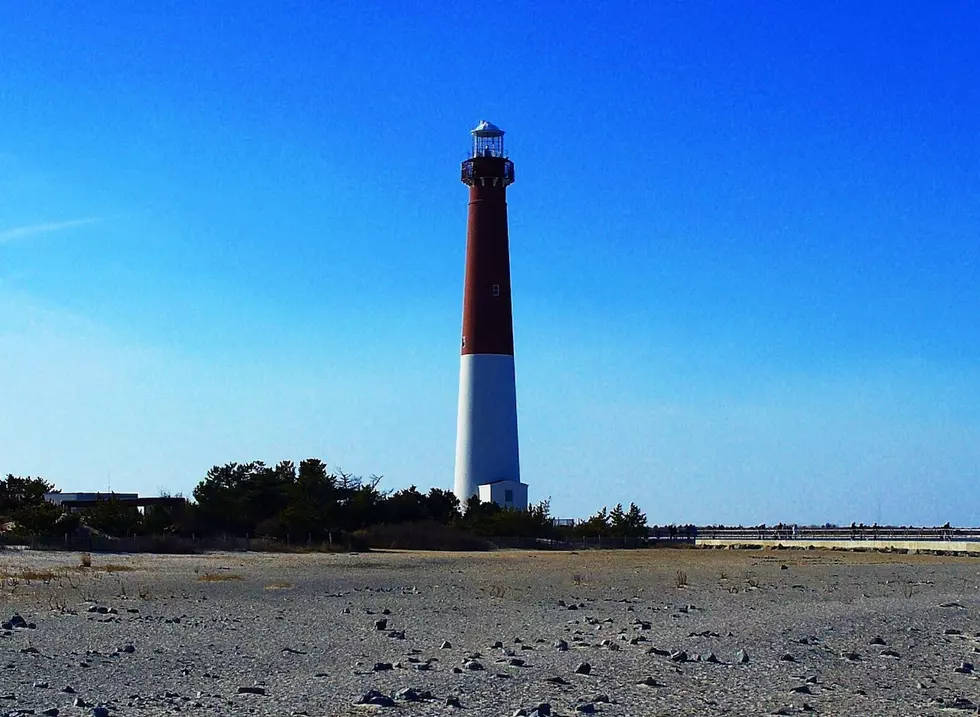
x: 68, y: 690
x: 952, y: 631
x: 497, y: 645
x: 473, y: 665
x: 556, y: 680
x: 678, y: 656
x: 583, y: 669
x: 965, y: 668
x: 446, y: 645
x: 741, y: 657
x: 373, y: 697
x: 407, y: 694
x: 951, y: 604
x: 452, y: 701
x: 710, y: 657
x: 516, y: 662
x: 397, y: 634
x: 100, y: 712
x: 850, y: 656
x: 787, y: 658
x: 649, y: 682
x: 51, y: 712
x: 802, y: 690
x: 561, y: 645
x: 586, y: 708
x: 381, y: 624
x: 382, y: 666
x: 878, y: 640
x: 889, y: 653
x: 129, y: 649
x: 40, y: 685
x: 251, y: 690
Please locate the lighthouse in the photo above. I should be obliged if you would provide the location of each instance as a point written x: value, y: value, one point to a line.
x: 487, y: 456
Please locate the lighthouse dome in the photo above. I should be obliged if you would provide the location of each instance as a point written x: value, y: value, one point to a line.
x: 487, y: 129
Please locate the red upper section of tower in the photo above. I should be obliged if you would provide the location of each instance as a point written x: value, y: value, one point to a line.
x: 488, y: 325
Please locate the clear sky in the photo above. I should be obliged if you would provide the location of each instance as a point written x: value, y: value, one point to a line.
x: 744, y: 245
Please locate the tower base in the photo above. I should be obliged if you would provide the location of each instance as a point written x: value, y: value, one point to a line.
x: 486, y: 429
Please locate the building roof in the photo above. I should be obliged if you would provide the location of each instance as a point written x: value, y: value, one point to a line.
x: 487, y: 129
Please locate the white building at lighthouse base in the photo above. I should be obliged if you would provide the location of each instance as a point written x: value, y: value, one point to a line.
x: 505, y: 493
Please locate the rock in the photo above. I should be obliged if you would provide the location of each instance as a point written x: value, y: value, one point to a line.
x: 601, y: 698
x: 397, y: 634
x: 516, y: 662
x: 787, y: 658
x: 407, y: 694
x: 373, y: 697
x: 51, y: 712
x: 965, y: 668
x: 16, y: 622
x: 586, y: 708
x: 649, y: 682
x: 543, y: 709
x: 678, y: 656
x: 446, y: 645
x: 710, y: 657
x: 382, y: 666
x: 251, y: 690
x: 100, y: 712
x: 68, y: 690
x: 497, y: 645
x: 850, y: 656
x: 561, y: 645
x: 889, y: 653
x: 583, y: 669
x: 129, y: 649
x: 741, y: 657
x: 802, y: 690
x: 952, y: 631
x: 556, y: 680
x: 473, y: 665
x: 40, y: 685
x: 453, y: 702
x: 381, y: 624
x: 877, y: 641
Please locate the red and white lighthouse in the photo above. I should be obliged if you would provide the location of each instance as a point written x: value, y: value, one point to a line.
x: 487, y: 456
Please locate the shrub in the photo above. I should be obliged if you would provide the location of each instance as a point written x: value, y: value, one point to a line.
x: 425, y: 535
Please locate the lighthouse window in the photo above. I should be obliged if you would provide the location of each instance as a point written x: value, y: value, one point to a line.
x: 496, y: 289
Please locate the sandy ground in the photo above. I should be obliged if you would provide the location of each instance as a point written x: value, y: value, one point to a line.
x: 853, y: 634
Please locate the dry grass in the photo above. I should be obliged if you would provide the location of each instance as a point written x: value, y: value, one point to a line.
x: 279, y: 586
x: 117, y: 568
x: 218, y: 577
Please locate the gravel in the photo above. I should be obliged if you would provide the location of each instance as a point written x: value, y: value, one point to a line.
x: 250, y: 634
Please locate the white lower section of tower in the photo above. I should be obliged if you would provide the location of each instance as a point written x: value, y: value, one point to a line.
x: 486, y: 428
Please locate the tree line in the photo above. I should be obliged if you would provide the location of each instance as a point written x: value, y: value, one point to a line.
x: 303, y: 503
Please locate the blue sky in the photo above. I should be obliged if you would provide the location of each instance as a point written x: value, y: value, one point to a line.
x: 744, y: 246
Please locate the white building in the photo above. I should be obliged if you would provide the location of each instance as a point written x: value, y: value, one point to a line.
x: 505, y: 493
